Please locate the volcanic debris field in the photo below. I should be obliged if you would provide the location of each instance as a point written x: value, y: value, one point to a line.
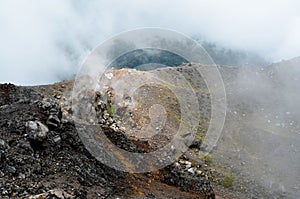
x: 42, y: 155
x: 257, y: 155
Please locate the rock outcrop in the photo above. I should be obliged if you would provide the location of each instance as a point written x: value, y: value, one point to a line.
x: 42, y: 155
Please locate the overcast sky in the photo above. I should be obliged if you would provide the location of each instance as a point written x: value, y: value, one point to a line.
x: 36, y: 36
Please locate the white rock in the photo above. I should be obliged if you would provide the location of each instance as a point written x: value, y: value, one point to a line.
x: 37, y: 129
x: 188, y: 164
x: 32, y: 125
x: 191, y: 170
x: 199, y: 172
x: 177, y: 165
x: 109, y: 75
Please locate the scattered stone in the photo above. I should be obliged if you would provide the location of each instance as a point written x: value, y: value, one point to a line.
x: 188, y: 180
x: 22, y: 176
x: 32, y: 125
x: 37, y: 156
x: 53, y: 194
x: 39, y: 151
x: 109, y: 75
x: 57, y: 139
x: 199, y: 172
x: 53, y: 121
x: 11, y: 169
x: 37, y: 131
x: 188, y: 164
x: 1, y: 174
x: 191, y: 170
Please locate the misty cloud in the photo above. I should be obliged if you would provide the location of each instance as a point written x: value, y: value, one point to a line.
x: 45, y: 41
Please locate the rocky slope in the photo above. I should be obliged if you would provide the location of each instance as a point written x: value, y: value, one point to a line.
x: 43, y: 157
x: 257, y: 155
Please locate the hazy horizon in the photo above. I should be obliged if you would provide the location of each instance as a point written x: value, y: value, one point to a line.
x: 43, y: 42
